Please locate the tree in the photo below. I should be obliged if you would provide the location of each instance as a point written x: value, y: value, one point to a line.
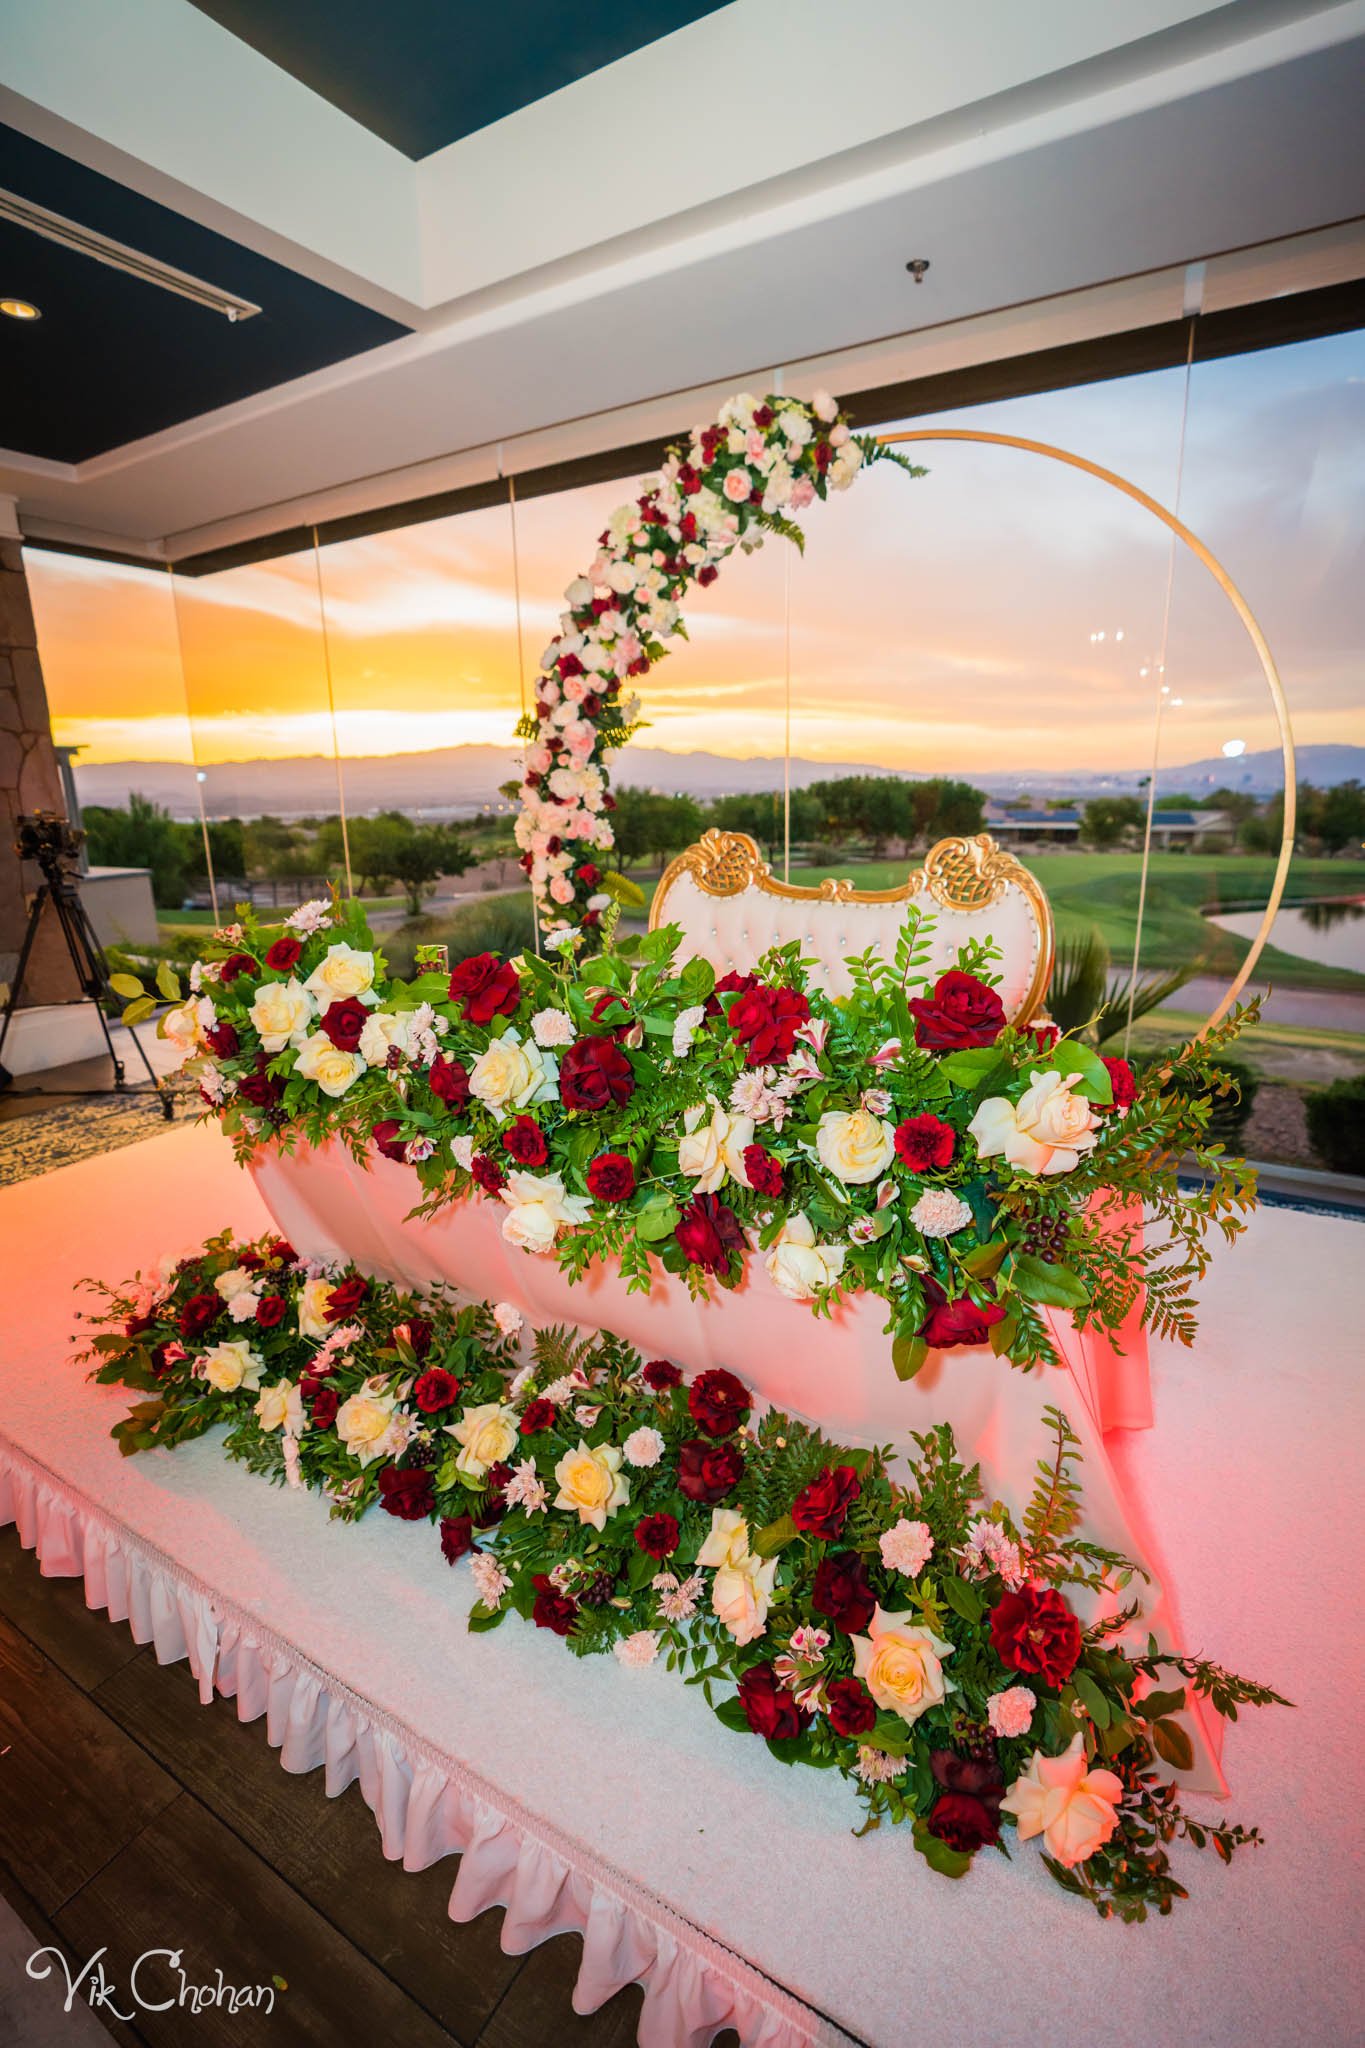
x: 420, y: 858
x: 646, y: 823
x: 1107, y: 818
x: 1341, y: 817
x: 144, y: 835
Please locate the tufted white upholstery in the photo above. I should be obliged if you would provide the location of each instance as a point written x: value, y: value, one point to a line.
x: 735, y: 931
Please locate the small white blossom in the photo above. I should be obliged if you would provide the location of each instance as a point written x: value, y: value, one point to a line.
x: 643, y: 1447
x: 553, y: 1027
x: 462, y: 1150
x: 677, y: 1599
x: 314, y: 916
x: 525, y: 1489
x: 490, y: 1580
x: 874, y: 1768
x: 507, y: 1318
x: 685, y: 1028
x: 638, y: 1649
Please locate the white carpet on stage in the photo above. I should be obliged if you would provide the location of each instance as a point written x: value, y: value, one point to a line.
x: 1250, y: 1476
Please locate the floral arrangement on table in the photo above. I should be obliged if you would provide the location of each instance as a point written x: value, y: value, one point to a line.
x: 890, y: 1625
x: 904, y: 1141
x: 761, y: 461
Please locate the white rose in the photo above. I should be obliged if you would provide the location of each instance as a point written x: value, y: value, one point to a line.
x: 280, y: 1012
x: 510, y: 1075
x: 342, y: 972
x: 234, y: 1282
x: 795, y: 426
x: 537, y: 1209
x: 854, y: 1145
x: 1045, y: 1132
x: 382, y: 1029
x: 334, y: 1070
x: 798, y: 1266
x: 728, y: 1540
x: 312, y: 1307
x: 590, y: 1483
x: 280, y: 1407
x: 486, y: 1435
x: 186, y: 1024
x: 902, y: 1666
x: 364, y: 1423
x: 707, y: 1152
x: 230, y: 1365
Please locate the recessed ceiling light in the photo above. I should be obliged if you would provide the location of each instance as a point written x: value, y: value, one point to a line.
x: 19, y: 309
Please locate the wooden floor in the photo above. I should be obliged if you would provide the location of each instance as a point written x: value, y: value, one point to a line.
x: 133, y: 1817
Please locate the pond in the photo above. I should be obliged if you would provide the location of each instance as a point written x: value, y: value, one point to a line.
x: 1332, y: 932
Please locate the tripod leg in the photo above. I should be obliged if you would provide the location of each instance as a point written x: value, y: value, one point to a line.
x: 35, y: 918
x: 87, y: 957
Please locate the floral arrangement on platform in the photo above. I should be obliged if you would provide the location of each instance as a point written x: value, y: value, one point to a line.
x: 904, y: 1141
x: 761, y: 461
x: 883, y: 1622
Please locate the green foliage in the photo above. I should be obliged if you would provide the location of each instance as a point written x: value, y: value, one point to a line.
x: 1336, y: 1124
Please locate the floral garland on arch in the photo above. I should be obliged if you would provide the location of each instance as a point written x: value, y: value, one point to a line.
x: 904, y: 1141
x: 891, y: 1625
x: 743, y: 477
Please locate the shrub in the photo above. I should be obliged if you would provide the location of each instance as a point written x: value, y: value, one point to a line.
x: 1232, y: 1112
x: 502, y: 925
x: 1336, y: 1124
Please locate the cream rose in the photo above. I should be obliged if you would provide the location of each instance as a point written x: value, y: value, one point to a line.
x: 1045, y: 1132
x: 486, y: 1436
x: 854, y: 1145
x: 591, y: 1483
x: 281, y: 1407
x: 281, y: 1012
x: 740, y: 1593
x: 538, y: 1208
x: 798, y: 1266
x: 364, y: 1423
x: 1073, y: 1808
x: 708, y: 1151
x: 234, y: 1282
x: 381, y: 1030
x: 342, y: 972
x: 511, y: 1075
x: 228, y: 1366
x: 334, y: 1070
x: 312, y: 1307
x: 728, y: 1542
x: 902, y: 1666
x: 185, y: 1025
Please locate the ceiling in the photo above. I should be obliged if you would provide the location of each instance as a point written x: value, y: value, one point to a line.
x: 115, y: 357
x: 424, y: 73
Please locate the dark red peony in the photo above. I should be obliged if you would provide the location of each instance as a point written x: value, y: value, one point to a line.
x: 708, y: 1234
x: 947, y: 1323
x: 852, y: 1709
x: 1034, y: 1631
x: 281, y: 1249
x: 707, y: 1471
x: 764, y: 1172
x: 222, y: 1040
x: 435, y: 1389
x: 1044, y: 1036
x: 593, y: 1073
x: 485, y: 987
x: 261, y: 1089
x: 967, y: 1816
x: 409, y: 1495
x: 235, y: 964
x: 525, y: 1141
x: 389, y: 1140
x: 457, y: 1537
x: 345, y: 1298
x: 925, y: 1144
x: 283, y: 954
x: 961, y: 1012
x: 323, y: 1405
x: 418, y: 1333
x: 612, y: 1011
x: 769, y: 1709
x: 200, y: 1313
x: 660, y: 1375
x: 343, y: 1021
x: 1122, y: 1080
x: 135, y: 1325
x: 539, y: 1414
x: 657, y: 1535
x: 718, y: 1402
x: 271, y: 1311
x: 552, y: 1609
x: 841, y: 1592
x: 449, y: 1081
x: 611, y: 1177
x: 765, y: 1021
x: 821, y: 1509
x: 488, y: 1174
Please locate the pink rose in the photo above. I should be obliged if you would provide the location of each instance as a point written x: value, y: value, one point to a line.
x: 738, y: 485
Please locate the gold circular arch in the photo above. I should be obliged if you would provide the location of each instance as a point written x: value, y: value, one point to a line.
x: 1244, y: 613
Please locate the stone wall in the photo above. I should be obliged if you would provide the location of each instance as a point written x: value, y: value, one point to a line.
x: 29, y: 781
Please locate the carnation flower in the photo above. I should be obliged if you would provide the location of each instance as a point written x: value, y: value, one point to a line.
x: 1011, y: 1712
x: 939, y: 1212
x: 638, y: 1649
x: 685, y: 1028
x: 507, y: 1318
x: 643, y: 1447
x: 906, y: 1548
x: 553, y: 1027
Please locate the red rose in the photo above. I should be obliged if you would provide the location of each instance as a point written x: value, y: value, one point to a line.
x: 200, y: 1312
x: 735, y: 983
x: 947, y: 1323
x: 602, y: 1009
x: 343, y: 1022
x: 540, y: 1414
x: 961, y: 1012
x: 611, y: 1177
x: 707, y: 575
x: 593, y: 1073
x: 346, y: 1298
x: 765, y: 1172
x: 280, y: 1248
x: 488, y: 1174
x: 765, y: 1021
x: 525, y: 1141
x: 963, y: 1822
x: 260, y: 1089
x: 494, y: 1507
x: 821, y: 1509
x: 708, y: 1233
x: 222, y: 1040
x: 852, y: 1709
x: 707, y: 1472
x: 235, y: 964
x: 449, y: 1081
x: 283, y: 954
x: 388, y: 1140
x: 435, y: 1389
x: 589, y: 875
x: 769, y: 1710
x: 1123, y: 1081
x: 1044, y: 1036
x: 486, y: 987
x: 323, y: 1404
x: 552, y: 1609
x: 457, y: 1537
x: 925, y: 1143
x: 409, y: 1495
x: 657, y: 1535
x: 271, y: 1311
x: 1034, y: 1631
x: 718, y: 1402
x: 660, y: 1375
x: 841, y: 1592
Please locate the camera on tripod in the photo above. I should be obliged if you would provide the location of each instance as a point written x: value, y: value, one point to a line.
x: 51, y: 840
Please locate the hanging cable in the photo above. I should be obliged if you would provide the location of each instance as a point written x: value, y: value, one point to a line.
x: 332, y: 714
x: 787, y: 720
x: 521, y: 644
x: 200, y: 775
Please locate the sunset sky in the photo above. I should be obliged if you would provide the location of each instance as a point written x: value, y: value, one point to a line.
x: 943, y: 624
